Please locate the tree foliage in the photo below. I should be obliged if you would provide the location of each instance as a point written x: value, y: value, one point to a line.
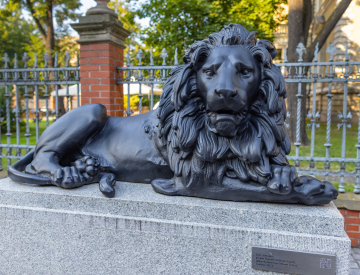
x: 15, y: 33
x: 178, y: 23
x: 127, y: 16
x: 43, y: 13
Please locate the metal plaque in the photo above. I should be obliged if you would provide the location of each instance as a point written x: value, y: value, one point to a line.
x: 294, y: 262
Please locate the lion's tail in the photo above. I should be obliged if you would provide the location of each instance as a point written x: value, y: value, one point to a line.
x: 16, y: 174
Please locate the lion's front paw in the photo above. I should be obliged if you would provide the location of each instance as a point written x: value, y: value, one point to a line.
x: 166, y: 187
x: 282, y: 179
x: 314, y: 191
x: 81, y: 172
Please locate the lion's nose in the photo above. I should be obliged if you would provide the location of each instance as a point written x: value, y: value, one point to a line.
x: 227, y: 94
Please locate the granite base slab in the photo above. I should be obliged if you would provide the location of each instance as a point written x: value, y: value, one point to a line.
x: 48, y: 230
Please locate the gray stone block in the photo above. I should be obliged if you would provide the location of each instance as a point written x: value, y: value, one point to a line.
x: 48, y: 230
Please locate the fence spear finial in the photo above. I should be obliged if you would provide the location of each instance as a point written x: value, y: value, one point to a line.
x: 331, y: 50
x: 35, y: 60
x: 300, y: 49
x: 140, y: 56
x: 285, y: 55
x: 347, y: 51
x: 6, y: 60
x: 316, y: 53
x: 164, y: 55
x: 46, y: 59
x: 56, y: 60
x: 67, y: 59
x: 128, y: 58
x: 176, y: 58
x: 16, y: 61
x: 25, y: 59
x: 151, y: 57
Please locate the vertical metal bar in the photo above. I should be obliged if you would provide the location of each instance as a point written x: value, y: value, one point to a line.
x: 37, y: 111
x: 331, y: 50
x: 152, y: 97
x: 27, y: 133
x: 5, y: 76
x: 140, y: 96
x: 46, y: 95
x: 298, y: 119
x: 357, y: 165
x: 1, y: 151
x: 46, y: 76
x: 55, y: 78
x: 8, y: 133
x: 77, y: 74
x: 328, y: 131
x: 17, y: 116
x: 128, y: 97
x: 67, y: 98
x: 78, y: 95
x: 151, y: 78
x: 344, y: 121
x: 313, y: 117
x: 128, y: 78
x: 343, y: 141
x: 17, y: 120
x: 56, y: 102
x: 140, y: 56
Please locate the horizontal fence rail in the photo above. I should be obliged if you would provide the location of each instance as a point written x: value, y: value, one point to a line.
x: 26, y: 94
x: 325, y: 78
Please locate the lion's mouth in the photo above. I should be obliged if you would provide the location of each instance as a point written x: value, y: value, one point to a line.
x: 222, y: 115
x: 225, y: 122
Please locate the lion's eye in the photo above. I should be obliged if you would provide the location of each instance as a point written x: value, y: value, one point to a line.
x: 209, y: 72
x: 246, y: 71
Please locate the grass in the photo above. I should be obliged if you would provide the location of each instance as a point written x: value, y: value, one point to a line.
x: 32, y: 139
x: 319, y: 149
x: 349, y: 187
x: 335, y: 149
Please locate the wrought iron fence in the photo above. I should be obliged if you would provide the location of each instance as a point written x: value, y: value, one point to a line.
x: 23, y: 91
x: 331, y: 78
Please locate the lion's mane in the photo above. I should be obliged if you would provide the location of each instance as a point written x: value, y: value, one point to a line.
x: 199, y: 155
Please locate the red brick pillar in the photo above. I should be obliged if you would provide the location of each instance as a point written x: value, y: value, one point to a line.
x: 101, y: 50
x: 352, y: 225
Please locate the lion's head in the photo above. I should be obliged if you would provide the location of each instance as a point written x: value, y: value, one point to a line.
x: 222, y: 113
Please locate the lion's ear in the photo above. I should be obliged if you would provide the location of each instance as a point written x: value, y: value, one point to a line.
x: 269, y: 46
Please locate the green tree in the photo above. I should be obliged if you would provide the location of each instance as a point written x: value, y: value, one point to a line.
x: 43, y: 14
x: 175, y: 24
x: 15, y: 33
x: 127, y: 16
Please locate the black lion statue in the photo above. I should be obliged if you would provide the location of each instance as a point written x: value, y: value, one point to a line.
x: 218, y: 133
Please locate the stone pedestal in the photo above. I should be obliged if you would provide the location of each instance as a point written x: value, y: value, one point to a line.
x: 48, y: 230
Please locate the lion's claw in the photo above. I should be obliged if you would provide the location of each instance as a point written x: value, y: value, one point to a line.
x: 81, y: 172
x: 282, y: 179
